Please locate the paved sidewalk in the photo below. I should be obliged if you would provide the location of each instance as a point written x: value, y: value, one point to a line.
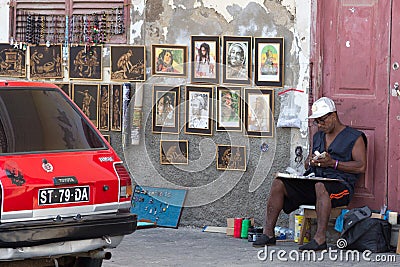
x: 187, y: 246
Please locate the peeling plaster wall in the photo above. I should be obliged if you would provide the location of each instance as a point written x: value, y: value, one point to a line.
x: 215, y: 195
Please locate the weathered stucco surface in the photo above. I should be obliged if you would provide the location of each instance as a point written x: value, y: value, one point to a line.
x: 214, y: 195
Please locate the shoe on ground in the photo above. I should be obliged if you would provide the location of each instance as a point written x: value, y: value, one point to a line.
x: 264, y: 240
x: 313, y: 245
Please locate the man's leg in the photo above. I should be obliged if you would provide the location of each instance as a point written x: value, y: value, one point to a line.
x: 274, y: 206
x: 323, y: 209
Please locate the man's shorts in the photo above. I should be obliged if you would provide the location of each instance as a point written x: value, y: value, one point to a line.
x: 302, y: 192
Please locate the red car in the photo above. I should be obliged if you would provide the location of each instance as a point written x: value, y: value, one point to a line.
x: 65, y: 193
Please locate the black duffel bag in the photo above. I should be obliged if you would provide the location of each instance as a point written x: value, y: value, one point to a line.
x: 360, y: 232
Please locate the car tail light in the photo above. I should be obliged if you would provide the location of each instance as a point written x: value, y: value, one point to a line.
x: 125, y: 187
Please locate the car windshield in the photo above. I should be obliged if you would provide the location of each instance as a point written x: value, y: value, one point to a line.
x: 42, y: 120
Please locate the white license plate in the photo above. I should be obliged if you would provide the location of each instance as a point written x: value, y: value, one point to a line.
x: 48, y: 196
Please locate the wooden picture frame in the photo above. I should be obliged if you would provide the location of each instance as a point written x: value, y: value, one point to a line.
x: 236, y: 60
x: 45, y: 62
x: 229, y: 108
x: 231, y: 158
x: 107, y: 137
x: 65, y: 87
x: 85, y: 62
x: 12, y: 61
x: 128, y: 63
x: 199, y: 110
x: 104, y: 107
x: 169, y: 60
x: 205, y: 59
x: 174, y: 152
x: 259, y: 112
x: 86, y: 96
x: 269, y: 61
x: 165, y: 109
x: 116, y: 107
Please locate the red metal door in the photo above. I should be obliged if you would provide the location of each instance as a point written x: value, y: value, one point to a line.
x: 394, y: 113
x: 354, y: 51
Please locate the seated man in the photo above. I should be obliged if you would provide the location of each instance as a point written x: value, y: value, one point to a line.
x: 345, y: 160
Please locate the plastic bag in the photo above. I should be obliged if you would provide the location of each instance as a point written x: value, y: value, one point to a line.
x: 288, y: 116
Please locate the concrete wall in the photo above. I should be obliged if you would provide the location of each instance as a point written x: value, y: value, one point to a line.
x: 213, y: 195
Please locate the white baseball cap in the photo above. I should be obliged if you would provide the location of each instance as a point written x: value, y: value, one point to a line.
x: 321, y: 107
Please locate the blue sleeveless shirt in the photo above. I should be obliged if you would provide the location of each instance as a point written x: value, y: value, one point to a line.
x: 340, y: 149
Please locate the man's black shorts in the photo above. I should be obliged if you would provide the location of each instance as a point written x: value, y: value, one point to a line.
x: 302, y: 192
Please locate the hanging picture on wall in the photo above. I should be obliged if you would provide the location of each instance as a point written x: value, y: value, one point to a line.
x: 45, y: 62
x: 236, y: 59
x: 12, y: 61
x: 169, y: 60
x: 229, y: 108
x: 198, y: 110
x: 116, y: 107
x: 174, y: 152
x: 269, y: 61
x: 104, y: 107
x: 86, y: 96
x: 65, y: 87
x: 205, y: 59
x: 231, y: 158
x: 259, y: 112
x: 165, y: 109
x: 128, y: 63
x: 85, y: 62
x: 107, y: 137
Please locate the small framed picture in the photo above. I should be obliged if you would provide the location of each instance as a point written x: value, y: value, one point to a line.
x: 231, y: 158
x: 65, y: 87
x: 198, y: 110
x: 229, y: 108
x: 169, y: 60
x: 165, y: 109
x: 205, y: 59
x: 237, y: 59
x: 104, y: 107
x: 13, y: 61
x: 128, y: 63
x: 85, y: 62
x: 86, y: 96
x: 174, y: 152
x: 269, y: 61
x: 116, y: 107
x: 45, y: 62
x: 259, y: 112
x: 107, y: 137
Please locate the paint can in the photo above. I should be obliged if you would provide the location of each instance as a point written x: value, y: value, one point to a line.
x: 246, y: 223
x: 237, y: 227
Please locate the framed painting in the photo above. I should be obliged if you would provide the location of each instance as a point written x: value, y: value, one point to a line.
x: 229, y: 108
x: 269, y: 61
x: 86, y: 96
x: 107, y: 137
x: 116, y: 107
x: 104, y: 107
x: 205, y: 59
x: 259, y: 112
x: 45, y: 62
x: 165, y: 109
x: 236, y: 60
x: 12, y: 61
x: 198, y: 110
x: 65, y: 87
x: 85, y: 62
x: 232, y: 158
x: 169, y: 60
x: 174, y: 152
x: 128, y: 63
